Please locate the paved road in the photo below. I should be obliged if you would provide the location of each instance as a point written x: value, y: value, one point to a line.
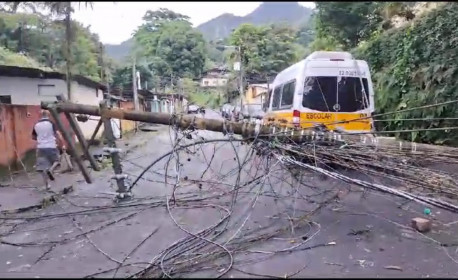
x: 357, y: 234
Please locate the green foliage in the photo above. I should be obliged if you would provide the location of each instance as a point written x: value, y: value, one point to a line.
x: 170, y: 46
x: 266, y: 50
x: 305, y: 35
x: 415, y: 66
x: 207, y: 98
x: 324, y: 44
x: 41, y: 39
x: 350, y: 23
x: 210, y: 98
x: 122, y: 77
x: 347, y: 22
x: 10, y: 58
x: 215, y: 54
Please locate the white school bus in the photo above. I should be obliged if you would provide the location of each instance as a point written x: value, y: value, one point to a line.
x: 326, y: 88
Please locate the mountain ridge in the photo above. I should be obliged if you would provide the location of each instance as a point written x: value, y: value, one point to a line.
x: 221, y: 26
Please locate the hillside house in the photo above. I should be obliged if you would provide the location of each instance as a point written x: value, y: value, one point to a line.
x: 30, y: 86
x: 216, y: 77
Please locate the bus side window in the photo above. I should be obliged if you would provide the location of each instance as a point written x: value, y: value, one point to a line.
x: 276, y: 97
x: 287, y: 95
x: 265, y: 105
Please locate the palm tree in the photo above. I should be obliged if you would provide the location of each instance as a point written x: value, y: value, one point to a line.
x: 65, y: 8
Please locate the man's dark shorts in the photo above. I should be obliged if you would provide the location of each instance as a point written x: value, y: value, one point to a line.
x: 46, y: 158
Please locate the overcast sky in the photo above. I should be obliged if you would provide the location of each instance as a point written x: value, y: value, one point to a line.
x: 115, y: 22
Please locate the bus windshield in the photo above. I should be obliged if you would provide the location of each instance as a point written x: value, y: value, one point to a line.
x: 335, y: 94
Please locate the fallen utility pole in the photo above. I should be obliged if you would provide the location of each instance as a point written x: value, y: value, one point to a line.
x: 79, y: 134
x: 71, y: 145
x: 190, y: 122
x: 247, y: 130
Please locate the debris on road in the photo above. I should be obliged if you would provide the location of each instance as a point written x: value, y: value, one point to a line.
x: 20, y: 268
x: 336, y: 264
x: 421, y: 224
x: 365, y: 263
x: 359, y: 232
x: 393, y: 267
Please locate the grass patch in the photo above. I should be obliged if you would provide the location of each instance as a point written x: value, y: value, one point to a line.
x: 10, y: 58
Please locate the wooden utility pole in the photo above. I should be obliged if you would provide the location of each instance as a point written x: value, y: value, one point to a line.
x: 72, y: 149
x: 247, y: 130
x: 241, y: 78
x: 68, y: 34
x: 134, y: 86
x: 134, y: 91
x: 79, y: 134
x: 101, y: 63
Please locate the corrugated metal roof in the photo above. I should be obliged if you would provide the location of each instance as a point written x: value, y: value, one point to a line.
x: 15, y: 71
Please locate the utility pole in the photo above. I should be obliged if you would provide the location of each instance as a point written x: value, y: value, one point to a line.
x: 134, y: 90
x: 241, y: 79
x: 122, y: 191
x: 101, y: 63
x: 134, y: 86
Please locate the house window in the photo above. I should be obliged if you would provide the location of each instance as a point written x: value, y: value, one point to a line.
x: 96, y: 92
x: 5, y: 99
x: 206, y: 83
x: 47, y: 90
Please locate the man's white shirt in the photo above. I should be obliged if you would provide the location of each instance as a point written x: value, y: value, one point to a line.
x: 45, y: 132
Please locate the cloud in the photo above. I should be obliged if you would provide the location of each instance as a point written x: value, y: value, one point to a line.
x: 115, y: 22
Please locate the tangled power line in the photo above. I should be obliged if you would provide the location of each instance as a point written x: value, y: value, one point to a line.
x: 255, y: 197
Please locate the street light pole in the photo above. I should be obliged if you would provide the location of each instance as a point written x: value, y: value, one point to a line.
x: 241, y: 87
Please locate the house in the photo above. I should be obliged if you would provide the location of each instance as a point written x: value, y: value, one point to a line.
x: 156, y: 102
x: 255, y: 96
x: 166, y: 103
x: 30, y: 86
x: 216, y: 77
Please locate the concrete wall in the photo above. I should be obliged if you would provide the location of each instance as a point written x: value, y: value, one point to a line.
x: 31, y: 91
x: 126, y: 125
x: 28, y: 91
x: 16, y: 143
x: 90, y: 96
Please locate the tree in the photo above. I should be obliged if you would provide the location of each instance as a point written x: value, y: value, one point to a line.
x: 170, y: 47
x: 148, y: 33
x: 154, y: 19
x: 266, y: 50
x: 59, y: 9
x: 122, y: 77
x: 348, y: 22
x: 306, y: 32
x: 43, y: 38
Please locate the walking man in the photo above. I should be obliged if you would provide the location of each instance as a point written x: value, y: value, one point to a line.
x: 45, y: 133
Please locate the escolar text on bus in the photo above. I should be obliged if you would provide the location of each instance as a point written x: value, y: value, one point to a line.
x: 318, y: 116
